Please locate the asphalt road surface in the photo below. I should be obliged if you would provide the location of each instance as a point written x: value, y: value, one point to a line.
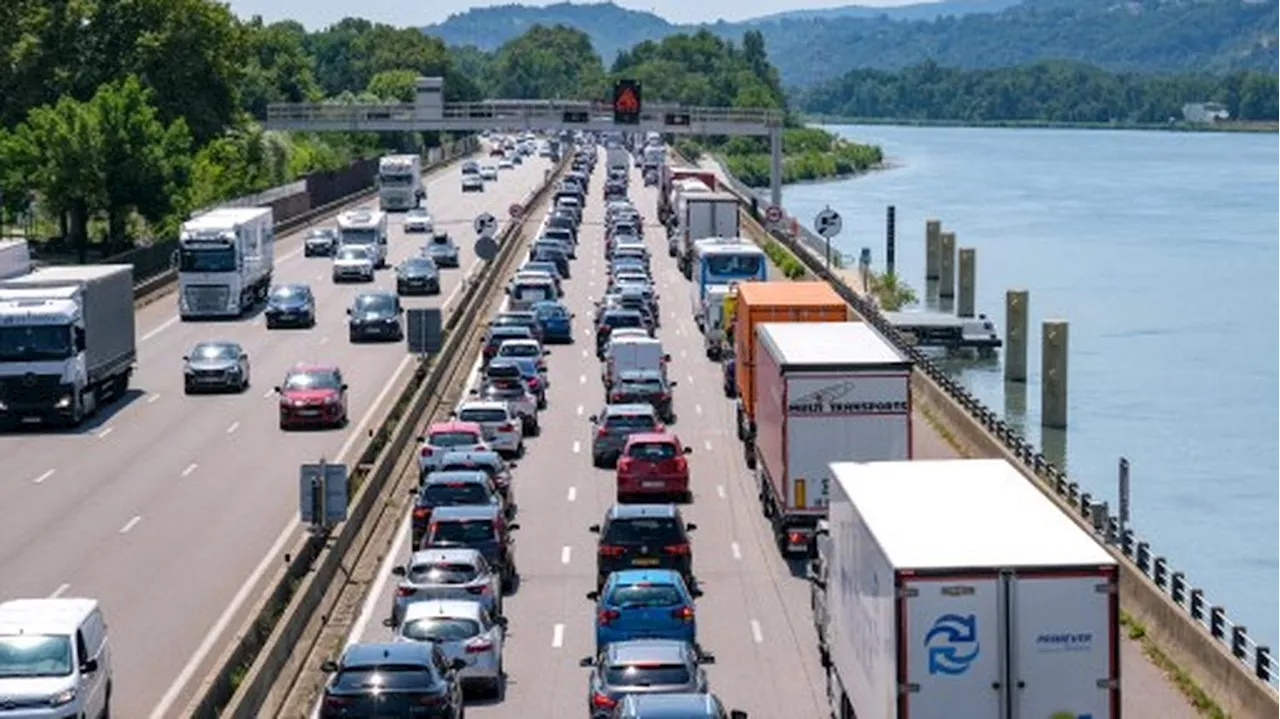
x: 755, y: 615
x: 168, y: 508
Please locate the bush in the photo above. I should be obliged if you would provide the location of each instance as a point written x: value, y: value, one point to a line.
x: 782, y: 258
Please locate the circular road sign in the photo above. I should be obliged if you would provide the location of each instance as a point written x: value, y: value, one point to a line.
x: 828, y: 223
x: 486, y: 248
x: 773, y: 214
x: 515, y: 210
x: 485, y: 224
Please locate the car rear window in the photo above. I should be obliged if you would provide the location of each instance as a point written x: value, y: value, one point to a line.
x: 645, y: 595
x: 441, y: 629
x: 485, y: 467
x: 623, y: 320
x: 395, y: 677
x: 645, y: 675
x: 519, y: 350
x: 452, y: 439
x: 463, y: 532
x: 443, y: 573
x: 629, y: 421
x: 640, y: 387
x: 453, y: 494
x: 643, y: 529
x: 487, y: 414
x: 652, y: 451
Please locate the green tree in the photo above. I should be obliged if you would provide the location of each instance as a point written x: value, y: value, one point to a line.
x: 277, y: 68
x: 393, y: 85
x: 548, y: 63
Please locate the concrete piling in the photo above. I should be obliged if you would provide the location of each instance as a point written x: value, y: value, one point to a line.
x: 1017, y: 306
x: 968, y: 259
x: 932, y: 238
x: 947, y: 266
x: 1053, y: 374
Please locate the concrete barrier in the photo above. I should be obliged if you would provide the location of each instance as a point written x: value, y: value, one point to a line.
x: 1214, y: 655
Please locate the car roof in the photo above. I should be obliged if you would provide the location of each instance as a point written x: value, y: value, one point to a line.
x: 60, y: 615
x: 465, y: 512
x: 302, y: 367
x: 453, y: 425
x: 383, y: 294
x: 631, y: 511
x: 619, y: 311
x: 685, y: 705
x: 477, y: 476
x: 291, y: 287
x: 518, y: 341
x: 450, y: 608
x: 644, y: 576
x: 628, y: 409
x: 639, y: 373
x: 517, y: 330
x: 445, y: 554
x: 648, y: 650
x: 373, y: 654
x: 523, y: 315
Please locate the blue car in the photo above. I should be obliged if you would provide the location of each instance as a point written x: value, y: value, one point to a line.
x: 644, y: 604
x: 556, y: 321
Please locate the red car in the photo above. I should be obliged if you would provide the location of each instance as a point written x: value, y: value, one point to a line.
x: 652, y: 465
x: 313, y: 396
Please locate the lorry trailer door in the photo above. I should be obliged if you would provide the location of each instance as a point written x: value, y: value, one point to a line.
x: 951, y: 636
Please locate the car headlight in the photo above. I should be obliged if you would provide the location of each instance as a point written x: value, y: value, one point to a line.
x: 331, y: 399
x: 64, y: 402
x: 66, y: 696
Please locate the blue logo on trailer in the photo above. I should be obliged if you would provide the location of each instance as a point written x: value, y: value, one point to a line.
x: 952, y: 642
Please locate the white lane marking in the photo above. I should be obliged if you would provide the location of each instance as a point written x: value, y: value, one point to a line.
x: 707, y: 444
x: 565, y: 553
x: 586, y: 353
x: 324, y: 340
x: 190, y: 468
x: 380, y: 582
x: 582, y: 379
x: 160, y: 328
x: 683, y: 354
x: 697, y: 408
x: 234, y: 426
x: 737, y: 551
x: 720, y: 491
x: 690, y: 379
x: 579, y: 410
x: 756, y: 634
x: 61, y: 590
x: 105, y: 431
x: 129, y: 525
x: 577, y: 446
x: 271, y: 557
x: 268, y: 393
x: 573, y: 493
x: 41, y: 479
x: 557, y: 636
x: 153, y: 399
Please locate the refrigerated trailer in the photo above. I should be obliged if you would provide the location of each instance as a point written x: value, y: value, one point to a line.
x: 956, y: 588
x: 824, y: 392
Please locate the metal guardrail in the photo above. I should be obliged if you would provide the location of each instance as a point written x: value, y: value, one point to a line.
x: 1257, y: 658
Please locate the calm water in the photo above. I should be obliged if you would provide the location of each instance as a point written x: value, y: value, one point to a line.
x: 1161, y: 251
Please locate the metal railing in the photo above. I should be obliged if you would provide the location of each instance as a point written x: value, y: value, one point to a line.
x: 1257, y: 658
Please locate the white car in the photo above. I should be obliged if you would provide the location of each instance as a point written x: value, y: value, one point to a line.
x: 506, y: 164
x: 444, y: 437
x: 463, y: 630
x: 489, y: 173
x: 472, y: 181
x: 503, y: 432
x: 418, y: 220
x: 353, y: 262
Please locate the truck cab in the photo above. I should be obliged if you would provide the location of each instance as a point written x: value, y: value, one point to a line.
x: 367, y: 228
x: 400, y: 182
x: 225, y: 260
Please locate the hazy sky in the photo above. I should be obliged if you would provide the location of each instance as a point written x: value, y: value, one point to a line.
x: 318, y: 13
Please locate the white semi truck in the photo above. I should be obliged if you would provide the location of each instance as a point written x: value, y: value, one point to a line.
x: 225, y: 261
x: 15, y: 258
x: 66, y: 342
x: 956, y: 588
x: 367, y: 228
x: 400, y: 185
x: 824, y: 392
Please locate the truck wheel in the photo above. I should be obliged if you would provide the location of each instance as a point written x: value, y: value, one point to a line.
x: 749, y: 455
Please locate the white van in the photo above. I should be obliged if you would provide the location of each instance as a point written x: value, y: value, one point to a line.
x: 526, y: 292
x: 55, y: 660
x: 632, y: 353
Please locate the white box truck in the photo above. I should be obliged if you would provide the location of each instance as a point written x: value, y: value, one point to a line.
x: 15, y: 258
x: 225, y: 261
x: 824, y: 392
x: 400, y: 185
x: 66, y: 342
x: 702, y: 215
x: 956, y: 588
x: 615, y: 158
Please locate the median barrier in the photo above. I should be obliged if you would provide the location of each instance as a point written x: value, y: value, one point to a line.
x: 1220, y: 657
x: 248, y: 669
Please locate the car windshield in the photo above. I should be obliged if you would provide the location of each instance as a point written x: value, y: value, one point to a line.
x: 376, y: 303
x: 440, y: 240
x: 321, y: 234
x: 394, y: 677
x: 443, y: 573
x: 441, y: 629
x: 353, y: 253
x: 419, y: 264
x: 455, y: 494
x: 417, y: 214
x: 462, y: 532
x: 289, y: 293
x: 629, y: 421
x: 35, y: 655
x: 452, y: 439
x: 641, y: 529
x: 519, y: 349
x: 646, y: 675
x: 483, y: 414
x: 652, y: 451
x: 311, y: 380
x: 215, y: 351
x: 645, y: 594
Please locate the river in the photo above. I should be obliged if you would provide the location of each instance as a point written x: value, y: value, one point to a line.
x: 1161, y: 250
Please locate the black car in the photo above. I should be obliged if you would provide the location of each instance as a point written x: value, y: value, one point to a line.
x: 418, y: 276
x: 644, y: 536
x: 611, y: 320
x: 320, y: 242
x: 481, y: 527
x: 290, y: 306
x: 452, y: 488
x: 649, y: 387
x: 375, y: 315
x: 546, y: 253
x: 728, y: 376
x: 393, y: 679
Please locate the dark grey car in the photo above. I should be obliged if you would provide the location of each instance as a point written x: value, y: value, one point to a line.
x: 320, y: 242
x: 215, y: 367
x: 649, y: 387
x: 393, y: 679
x: 643, y: 666
x: 418, y: 276
x: 290, y: 306
x: 614, y: 424
x: 375, y: 315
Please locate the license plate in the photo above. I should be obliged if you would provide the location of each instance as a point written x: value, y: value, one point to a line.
x: 645, y: 562
x: 653, y: 485
x: 308, y: 412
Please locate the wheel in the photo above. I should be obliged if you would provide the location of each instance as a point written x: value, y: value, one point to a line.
x: 284, y: 426
x: 244, y: 384
x: 520, y: 450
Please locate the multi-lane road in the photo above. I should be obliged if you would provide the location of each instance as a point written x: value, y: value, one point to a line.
x: 169, y: 508
x: 755, y: 614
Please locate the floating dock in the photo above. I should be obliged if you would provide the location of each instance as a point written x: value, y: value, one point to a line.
x: 938, y: 329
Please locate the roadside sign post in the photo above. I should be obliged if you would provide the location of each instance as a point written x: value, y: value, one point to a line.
x: 828, y: 224
x: 864, y: 268
x: 322, y: 495
x: 486, y: 227
x: 425, y: 334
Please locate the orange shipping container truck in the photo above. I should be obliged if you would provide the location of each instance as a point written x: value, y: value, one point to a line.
x: 783, y: 301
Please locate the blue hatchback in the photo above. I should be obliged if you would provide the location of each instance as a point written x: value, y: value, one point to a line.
x: 556, y: 321
x: 644, y: 604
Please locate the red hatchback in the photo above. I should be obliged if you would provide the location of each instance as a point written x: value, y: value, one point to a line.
x: 653, y: 464
x: 313, y: 396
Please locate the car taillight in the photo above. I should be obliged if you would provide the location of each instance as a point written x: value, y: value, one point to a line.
x: 421, y: 512
x: 797, y: 538
x: 604, y: 616
x: 615, y: 397
x: 534, y: 383
x: 611, y: 550
x: 684, y: 614
x: 477, y: 645
x: 601, y: 432
x: 682, y: 464
x: 681, y: 550
x: 481, y: 589
x: 602, y: 328
x: 624, y: 465
x: 602, y: 701
x: 425, y: 452
x: 406, y: 591
x: 506, y: 427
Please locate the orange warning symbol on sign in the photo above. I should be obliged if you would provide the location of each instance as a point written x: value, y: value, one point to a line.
x: 627, y: 101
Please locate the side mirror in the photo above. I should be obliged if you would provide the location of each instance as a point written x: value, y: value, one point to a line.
x: 666, y: 358
x: 512, y: 465
x: 186, y: 358
x: 399, y: 571
x: 276, y: 389
x: 690, y: 527
x: 345, y: 387
x: 244, y: 356
x: 473, y: 390
x: 594, y: 529
x: 707, y: 658
x: 688, y: 450
x: 89, y: 666
x: 546, y: 353
x: 513, y: 526
x: 586, y: 662
x: 328, y: 666
x: 412, y: 493
x: 593, y: 596
x: 501, y: 621
x: 458, y: 665
x: 348, y: 311
x: 737, y: 714
x: 593, y: 419
x: 672, y: 383
x: 389, y: 623
x: 695, y: 593
x: 420, y: 438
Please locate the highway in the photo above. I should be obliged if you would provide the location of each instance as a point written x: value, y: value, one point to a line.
x: 170, y: 508
x: 755, y: 615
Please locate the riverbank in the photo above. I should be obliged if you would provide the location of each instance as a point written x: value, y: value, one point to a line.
x: 809, y: 154
x: 1247, y: 127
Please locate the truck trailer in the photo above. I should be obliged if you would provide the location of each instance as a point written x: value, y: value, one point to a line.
x: 956, y: 588
x: 780, y: 301
x: 824, y: 392
x: 670, y: 176
x: 15, y: 258
x: 703, y: 215
x: 225, y: 260
x: 67, y: 342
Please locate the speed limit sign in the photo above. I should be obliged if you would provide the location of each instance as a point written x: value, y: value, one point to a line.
x: 773, y: 214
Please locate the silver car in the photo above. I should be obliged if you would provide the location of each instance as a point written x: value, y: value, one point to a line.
x: 472, y: 182
x: 418, y: 220
x: 643, y: 666
x: 489, y: 173
x: 353, y: 262
x: 503, y: 431
x: 442, y: 249
x: 463, y: 631
x: 215, y: 367
x: 320, y: 241
x: 458, y: 573
x: 615, y: 424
